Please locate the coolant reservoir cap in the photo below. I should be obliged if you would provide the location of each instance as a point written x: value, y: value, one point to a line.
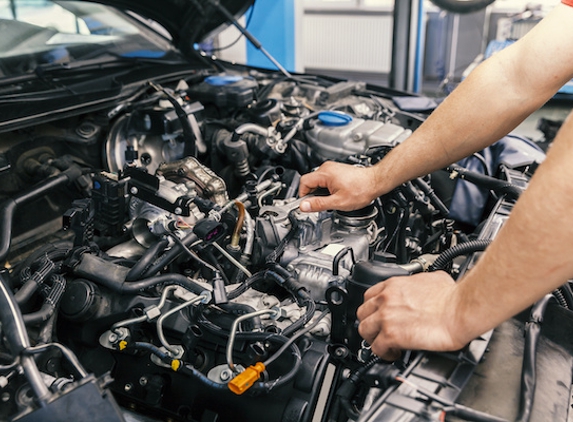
x: 222, y: 80
x: 334, y: 118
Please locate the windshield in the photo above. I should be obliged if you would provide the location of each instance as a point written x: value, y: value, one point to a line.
x: 38, y: 32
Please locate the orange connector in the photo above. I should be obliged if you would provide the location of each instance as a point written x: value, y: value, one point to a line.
x: 246, y: 379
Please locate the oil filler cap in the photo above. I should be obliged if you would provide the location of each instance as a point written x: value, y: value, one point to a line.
x: 334, y: 118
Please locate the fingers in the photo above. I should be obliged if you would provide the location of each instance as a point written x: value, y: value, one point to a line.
x: 313, y: 180
x: 375, y: 290
x: 372, y: 330
x: 322, y: 203
x: 369, y: 328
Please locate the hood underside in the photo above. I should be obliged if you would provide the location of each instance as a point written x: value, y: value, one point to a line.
x: 188, y: 21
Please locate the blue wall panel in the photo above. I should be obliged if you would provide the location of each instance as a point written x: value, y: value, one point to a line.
x: 273, y: 24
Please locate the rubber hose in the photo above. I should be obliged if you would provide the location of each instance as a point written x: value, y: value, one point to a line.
x: 462, y: 249
x: 8, y: 206
x: 112, y: 276
x: 146, y: 260
x: 488, y: 182
x: 245, y: 285
x: 50, y: 304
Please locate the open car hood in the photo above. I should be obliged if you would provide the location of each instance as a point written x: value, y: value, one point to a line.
x: 188, y: 21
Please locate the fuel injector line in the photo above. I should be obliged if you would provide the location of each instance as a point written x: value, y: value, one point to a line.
x: 67, y: 353
x: 161, y: 319
x: 233, y: 332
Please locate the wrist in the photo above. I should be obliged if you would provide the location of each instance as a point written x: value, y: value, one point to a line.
x: 380, y: 179
x: 468, y: 320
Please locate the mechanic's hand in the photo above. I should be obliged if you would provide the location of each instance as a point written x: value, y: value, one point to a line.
x: 416, y: 312
x: 350, y: 187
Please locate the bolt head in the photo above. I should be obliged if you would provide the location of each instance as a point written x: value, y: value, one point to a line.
x: 225, y: 375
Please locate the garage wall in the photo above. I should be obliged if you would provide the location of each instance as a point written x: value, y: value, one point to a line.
x: 342, y: 41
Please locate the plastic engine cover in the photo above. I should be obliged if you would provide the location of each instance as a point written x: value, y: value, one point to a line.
x: 354, y: 137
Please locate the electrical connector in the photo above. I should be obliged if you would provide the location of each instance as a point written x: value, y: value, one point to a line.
x: 246, y: 379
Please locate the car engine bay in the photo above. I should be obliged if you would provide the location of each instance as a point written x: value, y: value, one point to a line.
x: 155, y: 250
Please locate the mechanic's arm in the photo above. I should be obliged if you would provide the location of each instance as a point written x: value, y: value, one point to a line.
x: 491, y: 102
x: 530, y: 256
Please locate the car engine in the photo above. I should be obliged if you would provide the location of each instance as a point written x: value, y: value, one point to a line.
x: 155, y: 250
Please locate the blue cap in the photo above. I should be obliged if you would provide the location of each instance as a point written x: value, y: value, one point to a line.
x: 334, y: 118
x: 221, y: 80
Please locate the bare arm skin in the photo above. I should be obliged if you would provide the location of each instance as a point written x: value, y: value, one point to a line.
x: 492, y: 101
x: 530, y: 257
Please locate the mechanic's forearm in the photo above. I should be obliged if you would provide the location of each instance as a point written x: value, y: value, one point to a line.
x: 532, y: 253
x: 490, y: 103
x: 474, y: 116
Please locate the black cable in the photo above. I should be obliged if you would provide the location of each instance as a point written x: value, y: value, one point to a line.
x: 349, y: 386
x: 528, y: 372
x: 296, y: 337
x: 274, y: 256
x: 481, y: 159
x: 558, y: 294
x: 35, y: 281
x: 434, y: 199
x: 192, y: 254
x: 146, y: 260
x: 568, y: 294
x: 170, y: 255
x: 488, y: 182
x: 452, y: 408
x: 245, y: 285
x: 267, y: 386
x: 461, y: 249
x: 50, y: 304
x: 189, y: 135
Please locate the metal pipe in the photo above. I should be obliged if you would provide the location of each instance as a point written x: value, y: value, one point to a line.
x: 15, y: 332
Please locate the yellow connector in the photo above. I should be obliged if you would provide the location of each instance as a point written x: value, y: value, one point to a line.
x: 175, y: 364
x: 246, y: 379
